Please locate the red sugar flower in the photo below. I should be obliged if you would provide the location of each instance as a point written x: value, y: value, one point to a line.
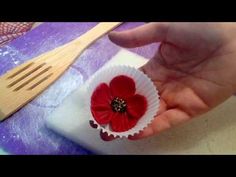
x: 118, y: 104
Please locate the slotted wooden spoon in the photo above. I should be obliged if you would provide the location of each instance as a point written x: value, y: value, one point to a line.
x: 26, y: 81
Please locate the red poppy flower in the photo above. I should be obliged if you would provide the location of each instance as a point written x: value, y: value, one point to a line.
x: 118, y: 104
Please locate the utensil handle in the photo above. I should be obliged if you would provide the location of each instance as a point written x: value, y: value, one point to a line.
x: 95, y: 33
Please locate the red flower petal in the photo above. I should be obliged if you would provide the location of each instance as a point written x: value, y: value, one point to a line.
x: 100, y: 104
x: 120, y: 122
x: 101, y: 96
x: 136, y: 106
x: 102, y: 115
x: 122, y: 86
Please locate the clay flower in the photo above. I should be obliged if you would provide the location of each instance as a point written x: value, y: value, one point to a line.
x: 118, y: 104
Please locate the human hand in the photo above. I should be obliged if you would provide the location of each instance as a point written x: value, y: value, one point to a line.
x: 193, y: 70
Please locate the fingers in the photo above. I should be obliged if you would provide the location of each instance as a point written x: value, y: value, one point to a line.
x: 105, y: 137
x: 149, y: 130
x: 163, y: 122
x: 142, y: 35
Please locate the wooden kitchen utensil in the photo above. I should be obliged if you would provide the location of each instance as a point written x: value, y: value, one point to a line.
x: 26, y: 81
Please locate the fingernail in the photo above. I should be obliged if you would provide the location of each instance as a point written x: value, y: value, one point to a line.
x: 135, y: 137
x: 92, y: 124
x: 105, y: 137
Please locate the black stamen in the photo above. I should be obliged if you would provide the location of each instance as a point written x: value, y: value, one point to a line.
x: 118, y: 105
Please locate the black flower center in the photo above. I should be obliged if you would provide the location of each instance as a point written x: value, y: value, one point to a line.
x: 118, y: 105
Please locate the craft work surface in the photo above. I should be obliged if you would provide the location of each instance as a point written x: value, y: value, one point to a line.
x: 26, y: 132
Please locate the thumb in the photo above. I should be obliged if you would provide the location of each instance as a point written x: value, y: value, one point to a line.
x: 142, y: 35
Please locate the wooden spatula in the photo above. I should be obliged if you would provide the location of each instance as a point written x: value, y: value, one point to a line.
x: 25, y: 82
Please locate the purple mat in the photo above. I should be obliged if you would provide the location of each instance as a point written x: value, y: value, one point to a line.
x: 25, y: 132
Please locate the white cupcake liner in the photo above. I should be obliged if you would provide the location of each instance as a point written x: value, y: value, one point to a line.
x: 144, y: 86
